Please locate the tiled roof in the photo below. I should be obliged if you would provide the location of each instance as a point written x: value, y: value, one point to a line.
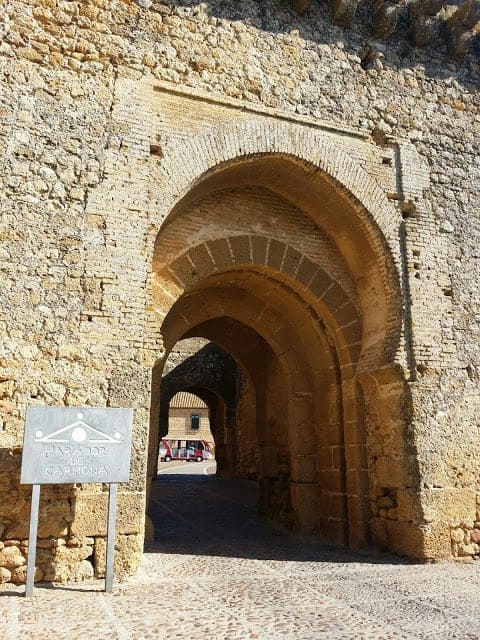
x: 184, y: 400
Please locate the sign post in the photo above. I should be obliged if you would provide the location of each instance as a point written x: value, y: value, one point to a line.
x: 32, y: 540
x: 112, y: 510
x: 66, y: 445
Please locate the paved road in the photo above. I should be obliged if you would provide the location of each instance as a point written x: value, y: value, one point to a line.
x: 177, y: 467
x: 215, y: 573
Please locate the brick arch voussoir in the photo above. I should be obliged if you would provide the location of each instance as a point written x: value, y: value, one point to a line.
x: 224, y: 143
x: 213, y: 149
x: 200, y: 262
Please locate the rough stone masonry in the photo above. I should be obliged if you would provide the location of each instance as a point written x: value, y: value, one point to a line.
x: 295, y: 181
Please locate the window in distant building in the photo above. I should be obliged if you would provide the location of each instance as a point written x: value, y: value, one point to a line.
x: 195, y: 421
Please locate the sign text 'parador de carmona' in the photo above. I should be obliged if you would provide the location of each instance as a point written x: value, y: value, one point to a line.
x: 76, y: 444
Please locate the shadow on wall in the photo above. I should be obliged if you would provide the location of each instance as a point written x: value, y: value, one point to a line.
x: 416, y: 40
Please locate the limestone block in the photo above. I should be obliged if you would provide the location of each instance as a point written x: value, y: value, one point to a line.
x: 467, y: 549
x: 7, y: 387
x: 475, y: 536
x: 436, y: 542
x: 343, y: 11
x: 149, y: 529
x: 334, y: 531
x: 72, y: 352
x: 304, y: 469
x: 408, y: 505
x: 91, y: 510
x: 448, y: 505
x: 406, y: 539
x: 69, y: 564
x: 462, y: 27
x: 5, y: 575
x: 71, y: 556
x: 11, y: 557
x: 55, y: 514
x: 18, y: 528
x: 19, y: 575
x: 385, y: 502
x: 44, y: 556
x: 457, y: 535
x: 77, y: 572
x: 379, y: 532
x: 53, y: 521
x: 49, y: 571
x: 424, y: 21
x: 270, y: 461
x: 384, y: 18
x: 305, y: 504
x: 46, y: 543
x: 83, y: 571
x: 128, y: 554
x: 358, y: 537
x: 80, y: 541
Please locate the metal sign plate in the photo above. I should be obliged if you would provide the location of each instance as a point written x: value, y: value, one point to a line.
x: 62, y: 445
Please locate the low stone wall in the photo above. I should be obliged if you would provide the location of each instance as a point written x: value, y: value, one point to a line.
x: 69, y: 559
x: 466, y: 537
x: 72, y: 528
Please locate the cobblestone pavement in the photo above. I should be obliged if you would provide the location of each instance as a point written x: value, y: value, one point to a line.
x: 215, y: 572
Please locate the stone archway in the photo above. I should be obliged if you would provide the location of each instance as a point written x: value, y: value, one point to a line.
x: 288, y: 252
x: 211, y: 374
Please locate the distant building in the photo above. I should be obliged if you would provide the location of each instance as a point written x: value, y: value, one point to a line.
x: 188, y: 417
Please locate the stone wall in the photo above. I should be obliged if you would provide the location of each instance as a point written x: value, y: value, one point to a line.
x: 82, y: 134
x: 246, y: 446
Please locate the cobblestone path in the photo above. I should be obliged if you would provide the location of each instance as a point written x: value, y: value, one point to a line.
x: 215, y: 572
